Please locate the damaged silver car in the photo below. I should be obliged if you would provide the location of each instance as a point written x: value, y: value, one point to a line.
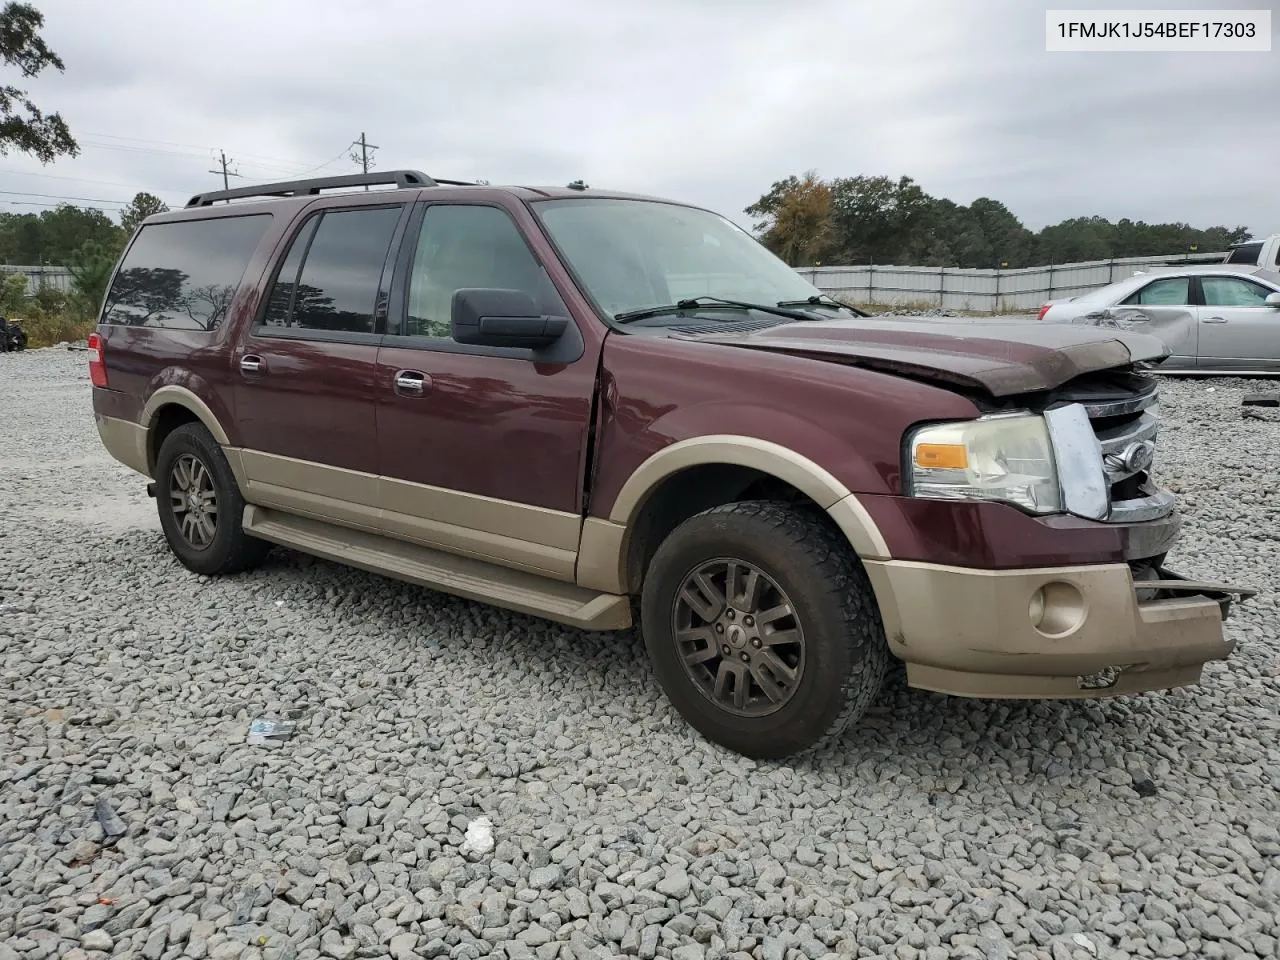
x: 1216, y: 318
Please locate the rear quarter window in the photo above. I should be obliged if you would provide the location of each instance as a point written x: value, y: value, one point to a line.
x: 1245, y: 253
x: 185, y: 274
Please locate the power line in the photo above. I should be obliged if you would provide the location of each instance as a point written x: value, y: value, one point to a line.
x: 284, y: 165
x: 196, y: 146
x: 97, y: 205
x: 125, y: 148
x: 328, y: 163
x: 109, y: 183
x: 55, y: 196
x: 167, y: 143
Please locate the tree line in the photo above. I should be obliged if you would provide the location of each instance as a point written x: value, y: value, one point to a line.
x: 57, y: 236
x: 84, y: 240
x: 810, y: 221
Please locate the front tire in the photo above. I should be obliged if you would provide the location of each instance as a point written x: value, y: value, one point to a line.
x: 200, y: 506
x: 763, y: 629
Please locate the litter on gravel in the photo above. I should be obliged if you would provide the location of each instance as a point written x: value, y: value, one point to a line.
x: 270, y: 728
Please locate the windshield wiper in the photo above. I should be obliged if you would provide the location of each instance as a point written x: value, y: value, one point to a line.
x: 693, y: 303
x: 818, y: 300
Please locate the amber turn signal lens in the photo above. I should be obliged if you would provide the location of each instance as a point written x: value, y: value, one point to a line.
x: 942, y: 456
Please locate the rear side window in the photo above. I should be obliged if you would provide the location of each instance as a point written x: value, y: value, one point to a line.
x: 1175, y: 291
x: 183, y: 275
x: 1232, y: 292
x: 330, y: 277
x: 1245, y: 253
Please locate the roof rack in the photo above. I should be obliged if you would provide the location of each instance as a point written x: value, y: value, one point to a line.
x: 301, y: 188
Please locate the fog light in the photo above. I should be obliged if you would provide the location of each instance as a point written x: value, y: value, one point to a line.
x: 1057, y: 609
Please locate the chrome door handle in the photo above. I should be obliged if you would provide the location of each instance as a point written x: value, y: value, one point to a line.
x: 1215, y: 319
x: 411, y: 382
x: 251, y: 364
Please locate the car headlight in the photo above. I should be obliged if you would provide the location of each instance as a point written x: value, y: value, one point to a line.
x: 1007, y: 457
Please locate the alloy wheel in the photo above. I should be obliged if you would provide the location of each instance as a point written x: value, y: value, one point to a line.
x: 194, y: 501
x: 738, y: 637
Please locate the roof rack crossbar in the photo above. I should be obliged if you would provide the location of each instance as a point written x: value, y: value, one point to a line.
x: 298, y: 188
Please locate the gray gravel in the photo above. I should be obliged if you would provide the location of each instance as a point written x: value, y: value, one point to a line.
x: 136, y: 821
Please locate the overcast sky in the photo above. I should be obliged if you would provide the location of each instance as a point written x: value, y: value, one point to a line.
x: 701, y: 100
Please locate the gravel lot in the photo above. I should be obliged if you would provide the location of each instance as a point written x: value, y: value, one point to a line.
x: 135, y: 819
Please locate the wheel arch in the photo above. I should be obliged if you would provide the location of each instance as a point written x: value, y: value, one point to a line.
x: 170, y: 407
x: 697, y: 474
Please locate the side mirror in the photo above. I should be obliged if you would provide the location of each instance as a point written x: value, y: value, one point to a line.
x: 502, y: 318
x: 1273, y: 300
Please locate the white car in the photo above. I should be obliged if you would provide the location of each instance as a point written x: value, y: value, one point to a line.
x: 1216, y: 318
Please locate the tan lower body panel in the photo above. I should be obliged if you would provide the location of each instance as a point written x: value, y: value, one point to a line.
x: 126, y: 441
x: 462, y: 576
x: 1036, y: 633
x: 515, y: 535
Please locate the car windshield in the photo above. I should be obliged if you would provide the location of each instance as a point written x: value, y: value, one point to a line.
x: 633, y: 254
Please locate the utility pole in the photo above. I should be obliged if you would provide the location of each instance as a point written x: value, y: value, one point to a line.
x: 362, y: 157
x: 225, y: 170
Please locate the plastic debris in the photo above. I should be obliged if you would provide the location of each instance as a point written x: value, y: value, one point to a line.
x: 270, y: 728
x: 479, y: 836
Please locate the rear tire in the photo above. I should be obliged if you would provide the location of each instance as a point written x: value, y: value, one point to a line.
x: 769, y: 665
x: 200, y: 506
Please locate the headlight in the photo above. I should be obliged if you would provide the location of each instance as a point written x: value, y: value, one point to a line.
x: 1007, y: 457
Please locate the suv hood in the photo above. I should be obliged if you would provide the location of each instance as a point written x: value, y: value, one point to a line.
x: 1001, y: 355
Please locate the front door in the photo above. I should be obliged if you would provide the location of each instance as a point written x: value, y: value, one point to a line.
x: 1238, y: 331
x: 482, y: 448
x: 1164, y: 308
x: 305, y: 387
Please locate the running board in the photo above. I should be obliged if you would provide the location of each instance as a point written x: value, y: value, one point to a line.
x: 461, y: 576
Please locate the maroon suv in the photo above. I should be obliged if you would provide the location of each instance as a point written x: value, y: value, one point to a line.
x: 557, y: 400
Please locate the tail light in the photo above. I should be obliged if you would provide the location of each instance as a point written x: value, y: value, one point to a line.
x: 97, y: 366
x: 1043, y: 310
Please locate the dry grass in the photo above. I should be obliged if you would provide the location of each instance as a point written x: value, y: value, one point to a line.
x: 49, y: 330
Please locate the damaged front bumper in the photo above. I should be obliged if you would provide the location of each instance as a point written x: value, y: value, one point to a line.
x: 1057, y: 632
x: 1167, y: 585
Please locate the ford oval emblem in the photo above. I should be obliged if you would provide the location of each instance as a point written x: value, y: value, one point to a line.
x: 1134, y: 458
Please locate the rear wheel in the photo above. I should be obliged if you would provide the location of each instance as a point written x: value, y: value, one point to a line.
x: 200, y: 505
x: 762, y: 628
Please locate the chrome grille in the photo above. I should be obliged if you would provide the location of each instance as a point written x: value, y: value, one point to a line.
x: 1125, y: 420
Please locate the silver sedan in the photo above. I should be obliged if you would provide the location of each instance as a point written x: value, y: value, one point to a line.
x: 1216, y: 318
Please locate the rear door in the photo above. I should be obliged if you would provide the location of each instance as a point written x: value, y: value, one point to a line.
x: 1238, y: 331
x: 305, y: 369
x: 1165, y: 308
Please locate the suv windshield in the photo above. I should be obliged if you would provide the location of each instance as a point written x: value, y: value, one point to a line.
x: 634, y: 254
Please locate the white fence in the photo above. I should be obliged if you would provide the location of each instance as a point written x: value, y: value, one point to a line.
x: 996, y: 291
x: 951, y: 288
x: 59, y: 278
